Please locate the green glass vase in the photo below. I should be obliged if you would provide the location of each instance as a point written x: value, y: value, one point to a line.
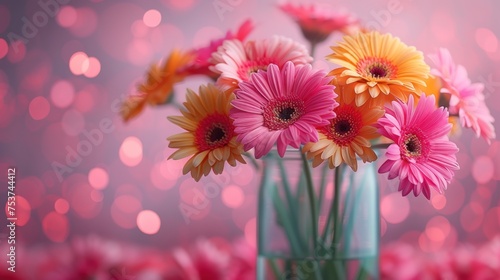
x: 317, y: 223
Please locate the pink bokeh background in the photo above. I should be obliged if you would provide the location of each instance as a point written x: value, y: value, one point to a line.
x: 61, y: 88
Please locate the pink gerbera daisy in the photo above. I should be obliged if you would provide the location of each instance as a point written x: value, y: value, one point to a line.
x: 422, y: 156
x: 283, y: 106
x: 466, y: 99
x: 236, y: 61
x: 318, y: 22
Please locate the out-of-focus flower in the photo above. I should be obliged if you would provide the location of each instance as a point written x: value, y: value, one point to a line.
x: 317, y: 22
x: 84, y: 258
x: 210, y: 137
x: 242, y: 265
x: 422, y: 156
x: 236, y: 61
x: 433, y: 87
x: 204, y: 261
x: 466, y: 98
x: 399, y: 261
x: 159, y: 83
x: 377, y: 68
x: 347, y: 135
x: 486, y: 263
x: 202, y: 61
x: 283, y: 106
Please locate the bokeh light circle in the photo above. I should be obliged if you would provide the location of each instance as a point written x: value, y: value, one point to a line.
x: 62, y: 94
x: 39, y: 108
x: 61, y: 206
x: 395, y: 208
x: 233, y: 196
x: 98, y: 178
x: 94, y: 68
x: 79, y: 63
x: 483, y: 169
x: 148, y: 222
x: 22, y: 210
x: 131, y: 151
x: 55, y: 226
x: 67, y: 16
x: 152, y: 18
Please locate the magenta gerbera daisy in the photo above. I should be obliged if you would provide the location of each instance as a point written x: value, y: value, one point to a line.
x: 283, y: 107
x: 236, y: 61
x: 466, y: 99
x: 422, y: 155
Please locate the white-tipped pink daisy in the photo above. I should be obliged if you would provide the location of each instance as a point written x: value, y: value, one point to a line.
x: 466, y: 99
x: 282, y: 107
x: 236, y: 61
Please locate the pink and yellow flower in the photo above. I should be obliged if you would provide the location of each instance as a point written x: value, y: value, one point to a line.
x: 210, y: 137
x: 346, y: 136
x: 236, y: 61
x: 422, y: 156
x: 283, y: 107
x: 466, y: 99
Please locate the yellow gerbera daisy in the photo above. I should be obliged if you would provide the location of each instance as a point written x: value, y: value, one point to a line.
x: 377, y: 68
x: 348, y: 135
x: 434, y: 86
x: 159, y: 83
x: 210, y: 139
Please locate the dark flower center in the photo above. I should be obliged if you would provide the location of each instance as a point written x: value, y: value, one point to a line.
x: 342, y: 126
x: 378, y: 71
x: 213, y: 132
x: 376, y: 67
x: 286, y: 113
x: 279, y: 114
x: 412, y: 146
x: 216, y: 134
x: 345, y: 127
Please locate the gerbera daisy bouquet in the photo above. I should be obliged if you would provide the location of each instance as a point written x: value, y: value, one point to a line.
x: 266, y: 98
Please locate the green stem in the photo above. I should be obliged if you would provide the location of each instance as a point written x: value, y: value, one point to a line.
x: 313, y: 49
x: 312, y: 201
x: 336, y: 205
x: 322, y: 185
x: 252, y: 160
x: 177, y: 105
x: 381, y: 146
x: 274, y: 268
x: 289, y: 197
x: 265, y: 181
x: 326, y: 232
x: 285, y: 219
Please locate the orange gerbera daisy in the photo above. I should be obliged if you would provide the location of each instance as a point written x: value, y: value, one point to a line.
x: 346, y: 136
x: 210, y: 139
x: 159, y: 83
x: 377, y: 68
